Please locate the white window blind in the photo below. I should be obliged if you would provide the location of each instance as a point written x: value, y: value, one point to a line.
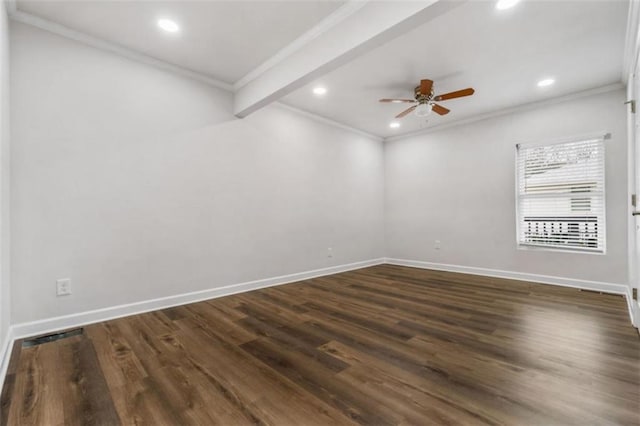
x: 561, y: 199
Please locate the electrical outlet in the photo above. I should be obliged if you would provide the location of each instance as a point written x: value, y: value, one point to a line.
x: 329, y: 252
x: 63, y: 287
x: 436, y: 244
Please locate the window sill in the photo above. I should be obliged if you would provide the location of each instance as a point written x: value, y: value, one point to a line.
x: 527, y: 247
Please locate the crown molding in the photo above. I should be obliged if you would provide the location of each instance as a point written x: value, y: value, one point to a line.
x: 505, y: 111
x: 328, y: 121
x: 52, y: 27
x: 340, y: 14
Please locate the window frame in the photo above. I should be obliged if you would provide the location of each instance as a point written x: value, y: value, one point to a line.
x: 604, y: 136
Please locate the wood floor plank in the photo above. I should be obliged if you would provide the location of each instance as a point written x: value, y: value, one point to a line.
x: 10, y: 381
x: 246, y: 380
x: 123, y: 373
x: 36, y: 388
x: 87, y: 400
x: 385, y: 345
x: 396, y: 385
x: 320, y: 382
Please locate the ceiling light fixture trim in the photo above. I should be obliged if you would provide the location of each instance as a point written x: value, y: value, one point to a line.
x: 168, y: 25
x: 506, y: 4
x: 546, y: 82
x: 320, y: 91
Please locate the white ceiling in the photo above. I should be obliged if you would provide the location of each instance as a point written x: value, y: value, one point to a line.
x: 502, y: 54
x: 222, y: 39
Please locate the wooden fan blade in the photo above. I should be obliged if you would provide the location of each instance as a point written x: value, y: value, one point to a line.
x: 396, y: 101
x: 406, y: 111
x: 438, y: 109
x: 457, y: 94
x: 426, y: 86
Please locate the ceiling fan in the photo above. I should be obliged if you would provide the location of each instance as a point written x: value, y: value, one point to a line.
x: 425, y: 101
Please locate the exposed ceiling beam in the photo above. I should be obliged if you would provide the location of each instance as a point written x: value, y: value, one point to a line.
x: 363, y: 28
x: 321, y: 27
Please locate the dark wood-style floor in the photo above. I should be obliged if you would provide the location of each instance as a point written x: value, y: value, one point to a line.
x: 382, y: 345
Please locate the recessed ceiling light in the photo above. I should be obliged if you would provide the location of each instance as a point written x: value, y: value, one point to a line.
x: 168, y: 25
x: 319, y: 91
x: 506, y: 4
x: 546, y: 82
x: 396, y: 101
x: 394, y: 124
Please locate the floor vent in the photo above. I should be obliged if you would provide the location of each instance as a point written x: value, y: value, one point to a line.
x: 51, y: 337
x: 600, y: 292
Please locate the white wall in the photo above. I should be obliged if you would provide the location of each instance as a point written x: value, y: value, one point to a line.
x: 457, y: 185
x: 4, y: 174
x: 139, y: 184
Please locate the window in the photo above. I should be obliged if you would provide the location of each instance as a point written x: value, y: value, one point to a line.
x: 561, y: 200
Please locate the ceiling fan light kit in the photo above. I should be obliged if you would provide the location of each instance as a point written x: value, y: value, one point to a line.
x: 423, y: 110
x: 424, y: 100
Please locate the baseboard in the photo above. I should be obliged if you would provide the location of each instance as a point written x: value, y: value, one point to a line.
x: 22, y: 330
x: 635, y: 321
x: 604, y: 287
x: 522, y: 276
x: 49, y: 325
x: 5, y: 355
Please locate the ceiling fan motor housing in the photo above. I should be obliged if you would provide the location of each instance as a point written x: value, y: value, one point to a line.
x: 421, y: 97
